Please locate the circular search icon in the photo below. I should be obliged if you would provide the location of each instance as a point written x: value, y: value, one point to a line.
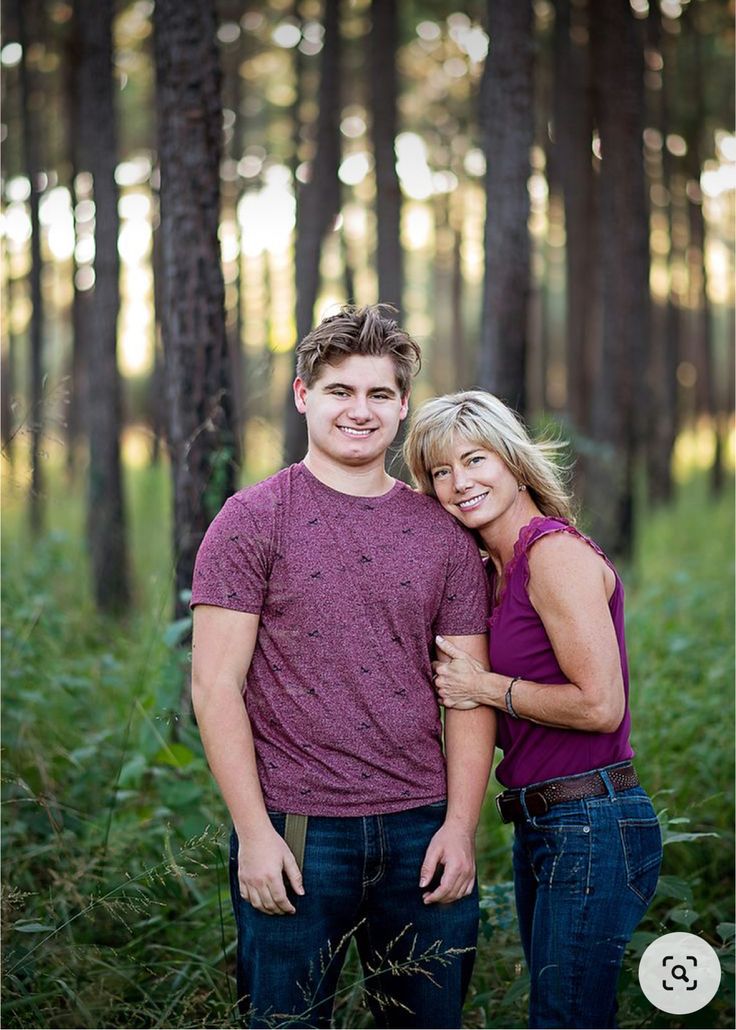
x: 679, y: 973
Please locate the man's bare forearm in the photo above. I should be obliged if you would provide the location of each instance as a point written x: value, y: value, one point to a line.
x: 227, y: 738
x: 470, y: 738
x: 223, y: 642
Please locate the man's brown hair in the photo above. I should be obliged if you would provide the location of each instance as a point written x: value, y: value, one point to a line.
x: 369, y: 331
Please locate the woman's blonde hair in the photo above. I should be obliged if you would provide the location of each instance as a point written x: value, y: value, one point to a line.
x: 484, y: 420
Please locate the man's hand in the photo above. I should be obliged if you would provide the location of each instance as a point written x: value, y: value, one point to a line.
x: 454, y: 849
x: 263, y: 861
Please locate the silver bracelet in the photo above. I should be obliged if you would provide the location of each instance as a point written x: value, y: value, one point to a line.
x: 509, y: 703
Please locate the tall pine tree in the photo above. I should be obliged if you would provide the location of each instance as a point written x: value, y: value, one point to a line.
x: 198, y: 389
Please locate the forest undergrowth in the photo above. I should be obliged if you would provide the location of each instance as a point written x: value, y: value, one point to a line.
x: 115, y: 899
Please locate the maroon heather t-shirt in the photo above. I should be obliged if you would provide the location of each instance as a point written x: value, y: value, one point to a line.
x: 351, y: 592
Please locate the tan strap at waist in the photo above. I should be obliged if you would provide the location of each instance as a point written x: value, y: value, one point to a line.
x: 295, y: 835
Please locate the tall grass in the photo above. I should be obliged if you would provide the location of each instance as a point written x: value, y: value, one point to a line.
x: 115, y: 900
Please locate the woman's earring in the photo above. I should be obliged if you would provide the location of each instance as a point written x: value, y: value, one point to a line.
x: 522, y: 486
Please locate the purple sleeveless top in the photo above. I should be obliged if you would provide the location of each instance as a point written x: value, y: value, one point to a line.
x: 519, y: 646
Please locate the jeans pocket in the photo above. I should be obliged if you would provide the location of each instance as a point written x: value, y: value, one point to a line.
x: 278, y: 821
x: 235, y: 896
x: 641, y: 840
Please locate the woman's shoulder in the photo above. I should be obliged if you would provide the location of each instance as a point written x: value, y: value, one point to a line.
x: 559, y: 538
x: 539, y: 527
x: 558, y: 529
x: 561, y: 549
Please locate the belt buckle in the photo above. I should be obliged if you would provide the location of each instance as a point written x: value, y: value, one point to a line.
x: 499, y: 809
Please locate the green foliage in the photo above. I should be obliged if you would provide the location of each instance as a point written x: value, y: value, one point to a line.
x: 223, y: 465
x: 115, y: 891
x: 115, y: 895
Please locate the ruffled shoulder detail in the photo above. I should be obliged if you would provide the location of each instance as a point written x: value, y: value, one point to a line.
x: 543, y: 526
x: 540, y: 526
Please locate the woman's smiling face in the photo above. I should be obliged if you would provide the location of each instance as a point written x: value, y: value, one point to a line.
x: 474, y: 484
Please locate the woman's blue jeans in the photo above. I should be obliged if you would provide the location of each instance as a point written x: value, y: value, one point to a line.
x: 585, y: 873
x: 361, y: 879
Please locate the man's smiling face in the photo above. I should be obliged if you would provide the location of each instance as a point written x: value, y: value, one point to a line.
x: 353, y: 409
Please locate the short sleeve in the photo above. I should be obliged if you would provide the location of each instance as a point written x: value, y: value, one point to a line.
x: 464, y: 608
x: 232, y: 565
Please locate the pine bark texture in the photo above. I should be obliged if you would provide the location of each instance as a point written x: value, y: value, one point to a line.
x: 459, y: 343
x: 702, y: 355
x: 624, y: 232
x: 384, y: 94
x: 233, y: 85
x: 317, y: 208
x: 709, y: 399
x: 77, y: 406
x: 198, y: 388
x: 383, y: 45
x: 28, y: 14
x: 7, y: 383
x: 507, y: 94
x: 105, y: 512
x: 662, y: 414
x: 573, y: 128
x: 157, y: 386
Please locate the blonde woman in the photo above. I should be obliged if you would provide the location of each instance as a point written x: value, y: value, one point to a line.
x: 587, y: 846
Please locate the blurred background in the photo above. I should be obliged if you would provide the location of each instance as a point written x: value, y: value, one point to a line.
x: 546, y: 193
x: 555, y: 223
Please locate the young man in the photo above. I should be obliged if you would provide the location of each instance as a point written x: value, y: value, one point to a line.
x: 318, y: 594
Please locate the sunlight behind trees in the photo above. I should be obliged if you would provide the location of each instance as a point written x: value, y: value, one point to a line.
x: 270, y: 58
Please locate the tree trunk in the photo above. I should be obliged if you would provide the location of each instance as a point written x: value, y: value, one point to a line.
x: 317, y: 208
x: 348, y: 266
x: 457, y: 291
x: 619, y: 100
x: 724, y: 417
x: 27, y: 19
x: 573, y: 128
x: 76, y: 418
x: 703, y: 331
x: 438, y: 362
x: 707, y: 385
x: 199, y: 393
x: 384, y: 93
x: 157, y: 381
x: 231, y: 57
x: 661, y: 406
x: 76, y: 429
x: 7, y: 375
x: 383, y: 47
x: 507, y: 90
x: 105, y: 513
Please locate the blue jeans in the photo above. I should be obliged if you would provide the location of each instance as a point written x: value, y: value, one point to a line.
x: 361, y: 879
x: 585, y: 873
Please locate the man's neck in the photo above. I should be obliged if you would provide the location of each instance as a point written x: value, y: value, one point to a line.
x: 359, y: 481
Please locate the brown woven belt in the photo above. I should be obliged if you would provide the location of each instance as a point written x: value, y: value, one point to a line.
x: 572, y: 788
